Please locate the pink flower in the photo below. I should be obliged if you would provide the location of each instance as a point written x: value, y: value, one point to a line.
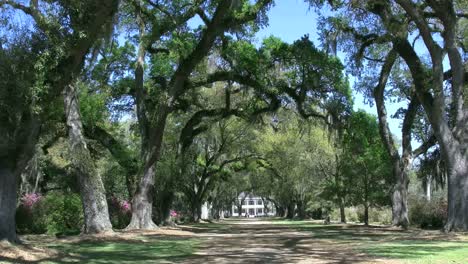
x: 30, y: 199
x: 125, y: 206
x: 173, y: 213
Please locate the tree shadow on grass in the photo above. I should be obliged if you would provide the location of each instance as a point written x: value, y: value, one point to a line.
x: 316, y: 243
x: 412, y: 250
x: 152, y: 250
x: 267, y: 242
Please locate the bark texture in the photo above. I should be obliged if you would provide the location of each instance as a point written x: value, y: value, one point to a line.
x: 366, y: 215
x: 342, y: 212
x: 457, y: 218
x: 8, y: 186
x: 142, y: 203
x: 96, y: 213
x: 400, y: 197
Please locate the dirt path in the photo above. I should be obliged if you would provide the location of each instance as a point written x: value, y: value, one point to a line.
x: 241, y: 241
x: 259, y: 241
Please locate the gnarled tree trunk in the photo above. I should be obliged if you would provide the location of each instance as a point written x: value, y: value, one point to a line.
x: 165, y: 208
x: 457, y: 217
x: 16, y: 150
x: 291, y: 210
x: 400, y: 196
x: 301, y: 213
x: 93, y: 198
x: 342, y: 212
x: 142, y: 203
x: 401, y: 164
x: 196, y: 211
x: 366, y: 215
x: 8, y: 186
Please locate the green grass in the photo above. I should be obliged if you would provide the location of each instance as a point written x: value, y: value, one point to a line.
x: 407, y: 247
x: 409, y: 251
x: 414, y: 246
x: 154, y: 250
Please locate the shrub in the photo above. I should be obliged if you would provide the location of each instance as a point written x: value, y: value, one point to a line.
x: 26, y: 220
x: 352, y: 214
x: 54, y: 213
x: 427, y: 214
x: 382, y: 215
x: 120, y: 212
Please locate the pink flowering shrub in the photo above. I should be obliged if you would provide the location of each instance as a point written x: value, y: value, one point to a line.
x: 54, y: 213
x: 173, y: 213
x: 120, y: 212
x: 125, y: 207
x: 30, y: 199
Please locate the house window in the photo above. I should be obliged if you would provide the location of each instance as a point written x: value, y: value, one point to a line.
x: 236, y: 211
x: 259, y: 202
x: 243, y: 202
x: 251, y: 202
x: 252, y: 211
x: 259, y: 211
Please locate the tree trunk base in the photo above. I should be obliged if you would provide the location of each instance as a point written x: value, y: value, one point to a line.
x: 144, y: 223
x: 8, y: 184
x: 142, y: 216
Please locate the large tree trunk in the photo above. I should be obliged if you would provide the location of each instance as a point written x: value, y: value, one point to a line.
x: 366, y: 200
x: 457, y: 217
x: 400, y: 196
x: 301, y: 210
x: 366, y: 215
x: 152, y: 132
x: 96, y: 213
x: 142, y: 203
x: 280, y: 212
x: 8, y: 185
x: 342, y: 212
x: 165, y: 208
x: 290, y: 210
x: 196, y: 211
x: 400, y: 164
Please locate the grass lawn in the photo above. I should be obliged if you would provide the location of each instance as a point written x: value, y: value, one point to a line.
x: 272, y: 240
x: 150, y: 251
x: 413, y: 246
x: 138, y: 248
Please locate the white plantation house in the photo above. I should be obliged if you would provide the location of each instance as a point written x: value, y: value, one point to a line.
x: 252, y: 206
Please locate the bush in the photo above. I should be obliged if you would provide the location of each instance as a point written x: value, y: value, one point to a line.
x: 120, y: 212
x: 427, y: 214
x: 352, y: 214
x: 53, y: 214
x: 356, y: 214
x: 376, y: 215
x: 26, y: 220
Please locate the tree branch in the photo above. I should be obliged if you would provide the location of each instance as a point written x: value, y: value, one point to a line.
x: 425, y: 146
x: 384, y: 129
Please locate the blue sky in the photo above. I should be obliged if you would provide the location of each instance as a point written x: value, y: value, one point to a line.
x: 292, y: 19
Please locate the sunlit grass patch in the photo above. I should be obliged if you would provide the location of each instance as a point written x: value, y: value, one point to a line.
x: 410, y: 251
x: 152, y: 250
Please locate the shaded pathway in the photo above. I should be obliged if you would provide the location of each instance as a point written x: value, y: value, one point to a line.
x: 260, y: 241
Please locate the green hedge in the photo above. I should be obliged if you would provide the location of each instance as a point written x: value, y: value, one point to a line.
x: 55, y: 213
